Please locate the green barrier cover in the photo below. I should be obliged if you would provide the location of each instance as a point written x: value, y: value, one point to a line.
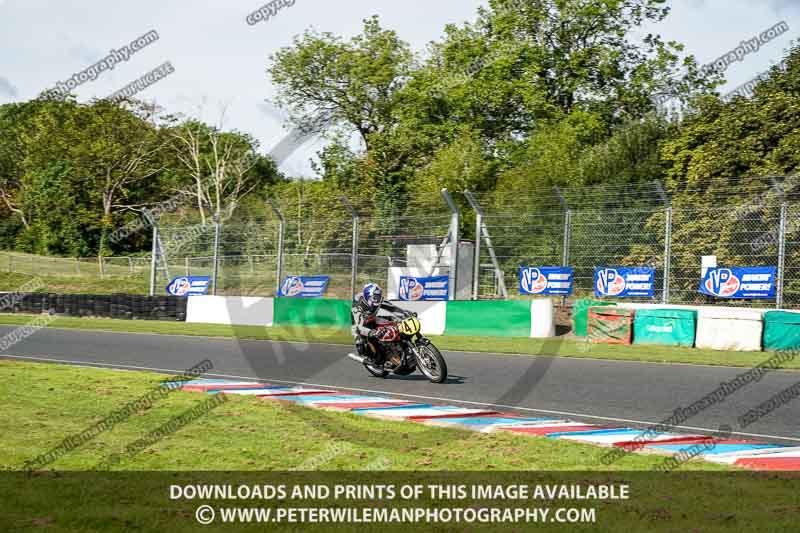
x: 672, y: 327
x: 781, y: 330
x: 313, y: 312
x: 489, y: 319
x: 580, y: 315
x: 611, y: 311
x: 612, y: 326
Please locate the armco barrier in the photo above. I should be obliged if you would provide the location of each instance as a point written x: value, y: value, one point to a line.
x: 312, y: 312
x: 489, y: 319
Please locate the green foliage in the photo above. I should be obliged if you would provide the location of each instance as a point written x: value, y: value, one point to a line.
x: 70, y: 173
x: 531, y: 95
x: 324, y: 80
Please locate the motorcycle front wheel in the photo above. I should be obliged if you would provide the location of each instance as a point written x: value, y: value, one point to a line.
x: 431, y: 362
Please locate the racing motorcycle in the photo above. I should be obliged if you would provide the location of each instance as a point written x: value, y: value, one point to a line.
x: 405, y: 350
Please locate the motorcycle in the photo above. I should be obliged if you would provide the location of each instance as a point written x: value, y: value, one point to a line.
x: 405, y: 350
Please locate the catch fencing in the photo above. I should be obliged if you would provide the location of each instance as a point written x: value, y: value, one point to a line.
x: 750, y: 223
x: 346, y: 242
x: 743, y: 222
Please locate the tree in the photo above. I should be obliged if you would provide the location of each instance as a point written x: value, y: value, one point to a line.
x: 112, y: 151
x: 221, y: 165
x: 525, y: 63
x: 726, y: 164
x: 754, y: 137
x: 14, y: 118
x: 324, y: 80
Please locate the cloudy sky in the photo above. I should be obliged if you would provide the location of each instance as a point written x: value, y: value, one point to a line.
x: 220, y: 59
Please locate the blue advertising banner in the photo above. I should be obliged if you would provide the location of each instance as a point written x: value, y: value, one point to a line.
x: 433, y: 288
x: 189, y: 286
x: 624, y: 282
x: 743, y: 282
x: 304, y: 286
x: 545, y: 280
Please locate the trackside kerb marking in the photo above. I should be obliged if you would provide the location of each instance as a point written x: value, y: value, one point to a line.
x: 470, y: 418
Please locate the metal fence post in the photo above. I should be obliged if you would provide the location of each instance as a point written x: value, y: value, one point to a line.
x: 667, y: 255
x: 354, y: 246
x: 453, y: 270
x: 153, y: 261
x: 215, y: 274
x: 281, y: 235
x: 781, y: 255
x: 567, y: 230
x: 567, y: 234
x: 483, y: 239
x: 565, y: 251
x: 476, y: 266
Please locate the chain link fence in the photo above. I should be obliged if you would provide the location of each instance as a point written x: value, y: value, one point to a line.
x: 252, y: 257
x: 753, y: 224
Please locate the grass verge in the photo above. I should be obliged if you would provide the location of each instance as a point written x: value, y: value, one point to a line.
x: 561, y: 347
x: 244, y: 439
x: 44, y: 404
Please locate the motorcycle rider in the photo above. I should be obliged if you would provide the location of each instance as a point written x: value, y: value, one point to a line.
x: 366, y: 328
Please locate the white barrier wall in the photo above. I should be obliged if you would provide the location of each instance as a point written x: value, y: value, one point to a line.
x: 250, y: 311
x: 239, y: 310
x: 543, y: 320
x: 724, y: 328
x: 432, y: 315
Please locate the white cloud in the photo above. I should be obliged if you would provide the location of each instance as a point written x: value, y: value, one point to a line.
x: 6, y: 87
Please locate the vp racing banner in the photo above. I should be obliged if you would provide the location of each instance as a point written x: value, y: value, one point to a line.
x: 189, y: 286
x: 420, y: 289
x: 545, y: 280
x: 624, y: 282
x: 742, y: 282
x: 304, y: 286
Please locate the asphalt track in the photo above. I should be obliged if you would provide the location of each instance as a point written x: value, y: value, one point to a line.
x: 636, y: 394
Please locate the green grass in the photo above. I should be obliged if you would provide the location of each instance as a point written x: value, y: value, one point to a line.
x: 562, y: 347
x: 234, y: 281
x: 43, y: 405
x: 66, y: 284
x: 46, y: 403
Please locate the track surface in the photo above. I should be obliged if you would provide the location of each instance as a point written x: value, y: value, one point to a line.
x: 637, y: 394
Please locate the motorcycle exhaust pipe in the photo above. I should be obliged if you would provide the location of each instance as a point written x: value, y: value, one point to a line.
x: 356, y: 358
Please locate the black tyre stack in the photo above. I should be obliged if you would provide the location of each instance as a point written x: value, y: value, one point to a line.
x: 123, y: 306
